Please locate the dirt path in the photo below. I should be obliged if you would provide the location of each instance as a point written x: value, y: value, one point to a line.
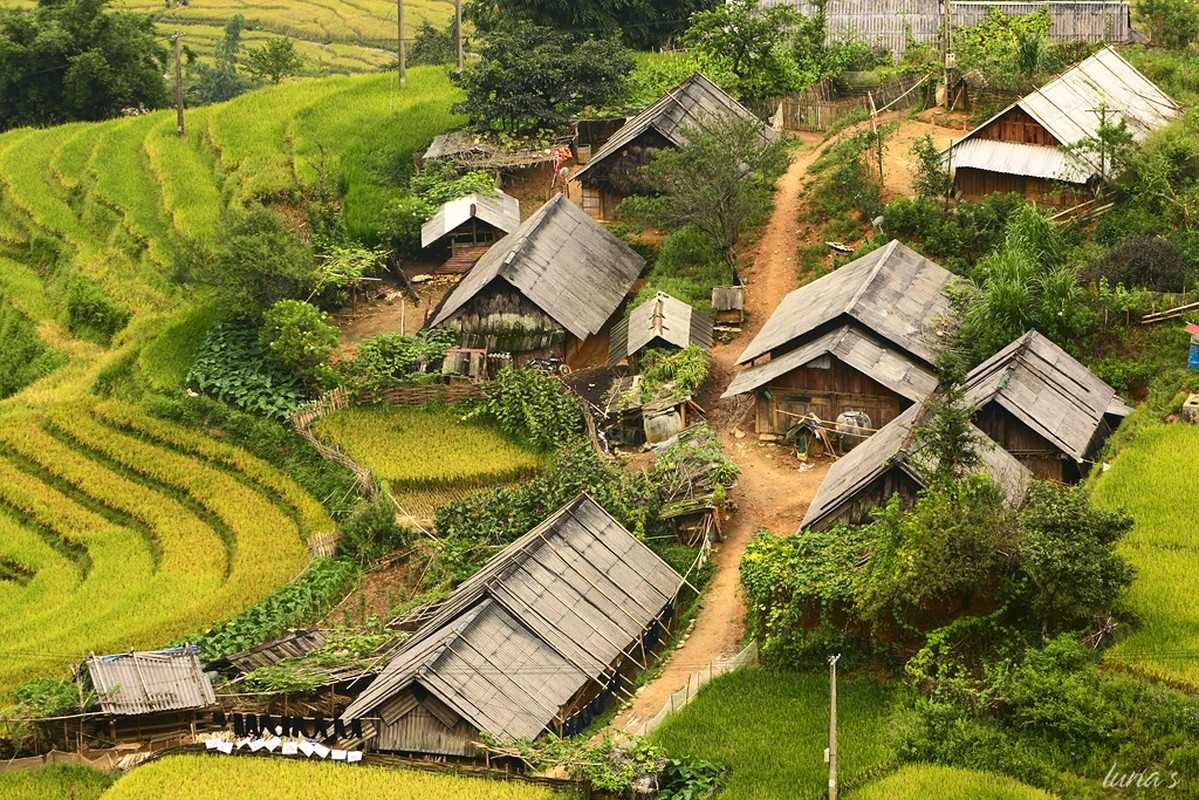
x: 771, y: 493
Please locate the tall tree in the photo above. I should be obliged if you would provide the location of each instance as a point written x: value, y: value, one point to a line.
x: 753, y: 42
x: 274, y: 61
x: 70, y: 60
x: 642, y: 24
x: 721, y: 180
x: 220, y: 81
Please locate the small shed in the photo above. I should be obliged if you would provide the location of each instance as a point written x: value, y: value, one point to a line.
x: 1020, y: 148
x: 860, y: 339
x: 148, y: 692
x: 728, y: 303
x: 1043, y: 406
x: 551, y: 288
x: 889, y: 463
x: 464, y: 228
x: 614, y: 171
x: 661, y: 322
x: 539, y: 640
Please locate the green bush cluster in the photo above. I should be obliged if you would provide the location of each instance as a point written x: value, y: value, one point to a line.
x: 371, y: 531
x: 92, y: 314
x: 392, y: 358
x: 24, y: 357
x: 233, y: 366
x: 687, y: 266
x: 534, y: 407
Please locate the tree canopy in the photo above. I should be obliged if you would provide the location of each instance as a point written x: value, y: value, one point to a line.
x: 642, y: 24
x: 68, y: 60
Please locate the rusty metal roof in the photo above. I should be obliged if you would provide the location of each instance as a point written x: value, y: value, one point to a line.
x: 894, y: 292
x: 147, y: 682
x: 519, y: 638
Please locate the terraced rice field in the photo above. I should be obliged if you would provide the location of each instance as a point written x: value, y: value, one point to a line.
x: 917, y: 782
x: 118, y: 529
x: 1153, y: 476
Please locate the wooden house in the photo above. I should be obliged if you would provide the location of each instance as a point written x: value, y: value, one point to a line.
x: 614, y: 171
x: 1020, y: 148
x: 1040, y: 404
x: 890, y: 463
x: 143, y: 693
x: 890, y: 25
x: 860, y: 339
x: 464, y: 228
x: 552, y: 287
x: 537, y: 641
x: 662, y: 322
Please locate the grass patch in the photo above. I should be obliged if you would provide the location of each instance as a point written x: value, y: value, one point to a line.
x: 1153, y: 477
x: 771, y: 729
x: 221, y: 777
x: 919, y: 781
x: 166, y: 359
x: 54, y: 783
x: 422, y: 448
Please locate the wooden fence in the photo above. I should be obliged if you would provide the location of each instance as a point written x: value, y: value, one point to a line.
x: 746, y: 658
x: 819, y: 107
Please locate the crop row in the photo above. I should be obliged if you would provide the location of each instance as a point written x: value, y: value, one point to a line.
x: 184, y: 178
x: 267, y: 549
x: 415, y: 448
x: 211, y: 777
x: 313, y: 517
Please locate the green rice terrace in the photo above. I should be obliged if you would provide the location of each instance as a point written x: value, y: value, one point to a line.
x: 118, y: 528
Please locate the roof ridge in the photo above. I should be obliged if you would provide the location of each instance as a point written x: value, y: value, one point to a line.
x: 884, y: 255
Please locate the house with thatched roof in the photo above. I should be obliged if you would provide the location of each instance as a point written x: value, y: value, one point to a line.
x: 614, y: 171
x: 663, y: 323
x: 1020, y: 149
x: 552, y: 287
x: 1043, y: 406
x: 860, y: 340
x: 538, y: 641
x: 462, y: 229
x: 892, y: 462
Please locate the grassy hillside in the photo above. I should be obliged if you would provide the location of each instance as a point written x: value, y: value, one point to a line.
x: 54, y: 783
x: 947, y: 783
x: 116, y: 528
x: 771, y: 728
x: 1153, y: 476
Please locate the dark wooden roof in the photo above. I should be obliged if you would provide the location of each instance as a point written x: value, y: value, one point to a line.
x: 563, y: 261
x: 1049, y: 391
x: 664, y: 318
x: 890, y: 367
x: 292, y: 644
x: 892, y: 448
x: 894, y: 292
x: 519, y: 638
x: 691, y: 104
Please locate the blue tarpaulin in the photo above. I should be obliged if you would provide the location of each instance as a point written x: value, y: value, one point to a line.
x: 1193, y: 361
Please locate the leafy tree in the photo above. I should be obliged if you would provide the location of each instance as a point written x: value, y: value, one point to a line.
x: 642, y: 24
x: 1069, y: 554
x: 531, y: 78
x: 300, y: 338
x: 752, y: 42
x: 371, y: 531
x: 345, y: 268
x: 1171, y: 23
x: 721, y: 180
x: 1108, y: 151
x: 945, y: 440
x: 258, y: 261
x: 1162, y: 179
x: 529, y: 404
x: 391, y: 358
x: 274, y: 61
x: 70, y: 60
x: 219, y: 81
x: 433, y: 46
x: 931, y: 180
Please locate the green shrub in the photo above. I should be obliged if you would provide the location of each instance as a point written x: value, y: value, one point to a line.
x: 24, y: 357
x: 371, y: 531
x: 259, y: 261
x: 232, y: 366
x: 688, y: 265
x: 533, y: 406
x: 300, y: 339
x: 92, y: 314
x: 392, y: 358
x: 1151, y: 262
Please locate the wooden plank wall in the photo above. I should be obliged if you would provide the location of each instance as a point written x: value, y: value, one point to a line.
x: 825, y: 392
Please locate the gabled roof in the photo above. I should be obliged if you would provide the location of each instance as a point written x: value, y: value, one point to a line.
x: 499, y: 210
x: 892, y: 447
x: 524, y: 634
x: 893, y: 292
x: 145, y: 682
x: 689, y: 105
x: 890, y: 367
x: 1014, y: 158
x: 562, y: 260
x: 1073, y: 105
x: 1049, y: 391
x: 661, y: 317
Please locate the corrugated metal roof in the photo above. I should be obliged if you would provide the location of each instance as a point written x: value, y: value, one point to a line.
x: 662, y: 318
x: 1018, y: 159
x: 1047, y: 389
x: 519, y: 638
x: 292, y: 644
x: 500, y: 210
x: 148, y: 682
x: 1073, y: 105
x: 892, y: 448
x: 889, y: 367
x: 691, y: 104
x: 562, y: 260
x: 894, y: 293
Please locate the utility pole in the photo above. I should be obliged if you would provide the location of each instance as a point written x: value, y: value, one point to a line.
x: 832, y: 727
x: 403, y: 66
x: 178, y: 83
x: 458, y: 30
x: 948, y: 55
